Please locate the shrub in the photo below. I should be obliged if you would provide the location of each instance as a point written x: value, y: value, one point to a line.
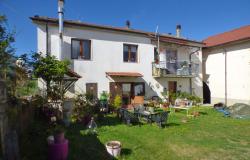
x: 83, y: 107
x: 117, y: 102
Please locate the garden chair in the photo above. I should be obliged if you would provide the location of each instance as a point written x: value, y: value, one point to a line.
x: 160, y: 118
x: 129, y: 117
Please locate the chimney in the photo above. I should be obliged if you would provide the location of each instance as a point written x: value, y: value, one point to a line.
x: 60, y: 19
x: 128, y: 24
x: 178, y: 31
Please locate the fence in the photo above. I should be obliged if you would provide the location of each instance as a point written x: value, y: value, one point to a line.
x: 23, y: 116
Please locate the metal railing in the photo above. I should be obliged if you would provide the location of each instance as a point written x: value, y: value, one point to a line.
x: 175, y: 68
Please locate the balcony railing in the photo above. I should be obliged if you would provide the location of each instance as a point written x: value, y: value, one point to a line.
x: 175, y: 69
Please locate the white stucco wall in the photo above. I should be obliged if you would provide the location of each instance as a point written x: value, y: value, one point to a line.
x: 238, y: 73
x: 107, y: 56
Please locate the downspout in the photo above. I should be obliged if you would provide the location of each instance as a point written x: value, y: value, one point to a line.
x: 225, y: 52
x: 47, y: 39
x: 60, y: 19
x: 190, y: 65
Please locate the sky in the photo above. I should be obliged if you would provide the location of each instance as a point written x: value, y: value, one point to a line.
x: 198, y: 18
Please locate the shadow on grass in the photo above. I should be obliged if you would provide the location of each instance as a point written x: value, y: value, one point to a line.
x: 85, y: 146
x: 168, y: 125
x: 125, y: 151
x: 109, y: 120
x: 203, y: 113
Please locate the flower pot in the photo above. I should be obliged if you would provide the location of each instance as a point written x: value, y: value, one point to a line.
x: 113, y: 148
x: 59, y: 138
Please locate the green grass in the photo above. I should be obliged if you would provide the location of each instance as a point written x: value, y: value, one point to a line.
x: 209, y: 136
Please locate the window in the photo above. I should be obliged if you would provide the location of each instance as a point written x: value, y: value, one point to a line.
x: 80, y: 49
x: 139, y: 89
x: 129, y: 53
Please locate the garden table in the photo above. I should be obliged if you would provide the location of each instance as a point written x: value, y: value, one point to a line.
x: 172, y: 109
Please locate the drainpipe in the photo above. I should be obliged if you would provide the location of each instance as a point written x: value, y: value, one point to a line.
x: 47, y: 39
x: 190, y: 65
x: 60, y: 19
x: 225, y: 52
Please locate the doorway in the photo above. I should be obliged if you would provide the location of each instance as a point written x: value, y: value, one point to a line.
x: 206, y: 93
x: 91, y: 89
x: 172, y: 88
x: 127, y: 91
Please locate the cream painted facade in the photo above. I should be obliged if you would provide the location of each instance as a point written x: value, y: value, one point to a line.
x: 107, y: 56
x: 226, y: 70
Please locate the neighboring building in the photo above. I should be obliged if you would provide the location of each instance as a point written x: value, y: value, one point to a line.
x: 123, y: 60
x: 226, y: 67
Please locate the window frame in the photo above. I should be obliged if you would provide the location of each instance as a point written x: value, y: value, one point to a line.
x: 129, y: 53
x: 81, y: 41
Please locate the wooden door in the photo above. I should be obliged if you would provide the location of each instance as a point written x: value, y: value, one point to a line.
x: 91, y: 88
x: 172, y: 88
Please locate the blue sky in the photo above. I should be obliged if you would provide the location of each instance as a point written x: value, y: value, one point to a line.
x: 199, y: 18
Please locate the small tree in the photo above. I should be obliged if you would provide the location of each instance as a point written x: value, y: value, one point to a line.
x: 52, y: 71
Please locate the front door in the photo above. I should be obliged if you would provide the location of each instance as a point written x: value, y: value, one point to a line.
x: 172, y: 88
x: 126, y: 93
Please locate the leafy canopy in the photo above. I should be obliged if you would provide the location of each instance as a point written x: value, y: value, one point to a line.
x: 49, y: 68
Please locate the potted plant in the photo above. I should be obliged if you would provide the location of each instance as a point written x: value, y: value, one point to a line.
x: 151, y: 106
x: 59, y: 134
x: 113, y: 148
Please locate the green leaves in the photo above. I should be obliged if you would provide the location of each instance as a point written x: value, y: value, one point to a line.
x: 49, y: 68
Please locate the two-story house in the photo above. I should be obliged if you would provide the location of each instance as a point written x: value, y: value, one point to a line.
x: 123, y: 61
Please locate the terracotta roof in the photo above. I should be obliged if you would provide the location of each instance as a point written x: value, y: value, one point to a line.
x: 124, y: 74
x: 71, y: 73
x: 238, y: 34
x: 164, y: 37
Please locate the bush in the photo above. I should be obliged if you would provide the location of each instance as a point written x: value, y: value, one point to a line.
x: 186, y: 95
x: 84, y: 106
x: 117, y: 102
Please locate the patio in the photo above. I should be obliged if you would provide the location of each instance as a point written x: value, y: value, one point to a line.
x: 209, y: 136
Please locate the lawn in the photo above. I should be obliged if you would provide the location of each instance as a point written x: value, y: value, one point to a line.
x: 209, y: 136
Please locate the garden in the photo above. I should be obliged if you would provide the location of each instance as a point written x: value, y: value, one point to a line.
x: 209, y: 136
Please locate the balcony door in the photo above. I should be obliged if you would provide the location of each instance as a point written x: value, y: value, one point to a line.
x: 171, y: 57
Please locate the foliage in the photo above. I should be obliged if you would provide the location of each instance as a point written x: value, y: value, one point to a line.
x: 185, y: 95
x: 6, y: 49
x: 29, y: 88
x: 58, y: 129
x: 83, y: 106
x: 49, y: 68
x: 52, y: 71
x: 117, y: 102
x: 12, y: 74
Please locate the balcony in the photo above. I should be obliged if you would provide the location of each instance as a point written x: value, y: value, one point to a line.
x: 175, y: 69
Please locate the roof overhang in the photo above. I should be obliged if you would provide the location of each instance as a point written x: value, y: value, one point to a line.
x: 124, y: 74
